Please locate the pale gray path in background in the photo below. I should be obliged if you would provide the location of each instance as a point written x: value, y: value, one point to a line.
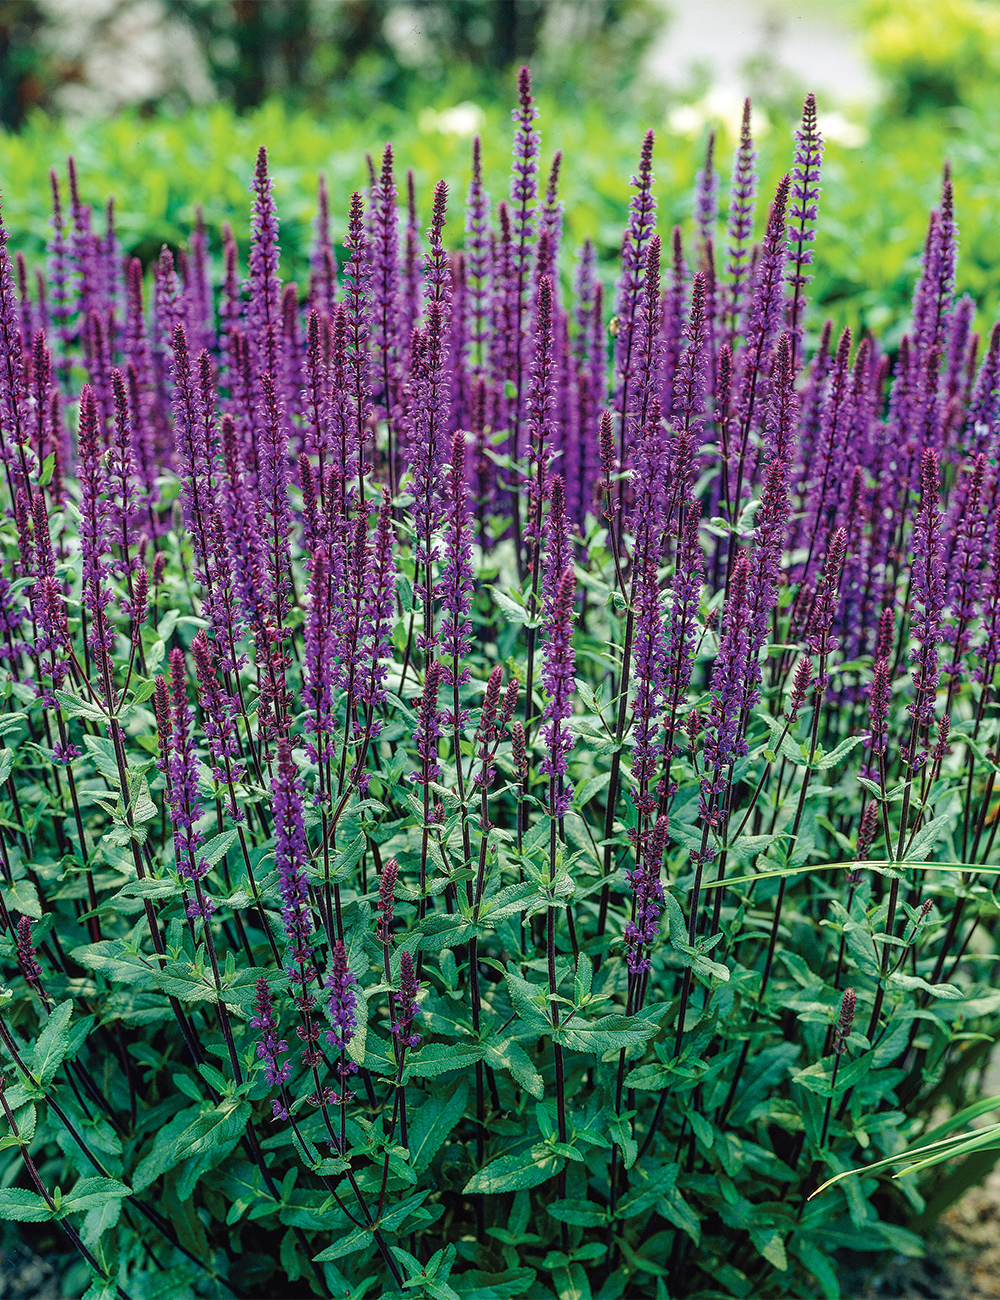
x: 818, y: 43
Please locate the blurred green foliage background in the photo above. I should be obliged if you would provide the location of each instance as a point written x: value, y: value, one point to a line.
x: 320, y: 82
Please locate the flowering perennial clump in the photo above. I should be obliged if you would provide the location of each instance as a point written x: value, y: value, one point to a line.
x: 498, y: 797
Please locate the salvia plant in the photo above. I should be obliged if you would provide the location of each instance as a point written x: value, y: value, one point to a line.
x: 498, y: 767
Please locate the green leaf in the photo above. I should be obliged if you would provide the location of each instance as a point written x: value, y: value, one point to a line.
x: 120, y: 961
x: 149, y: 887
x: 218, y: 847
x: 431, y: 1124
x: 52, y: 1044
x: 184, y: 1137
x: 581, y: 1214
x: 513, y: 612
x: 510, y: 1056
x: 947, y: 992
x: 513, y: 1172
x: 22, y: 896
x: 927, y: 838
x: 439, y: 1058
x: 355, y: 1240
x: 179, y: 979
x: 99, y: 1220
x: 73, y: 706
x: 530, y: 1001
x: 824, y: 762
x: 92, y: 1192
x: 23, y: 1207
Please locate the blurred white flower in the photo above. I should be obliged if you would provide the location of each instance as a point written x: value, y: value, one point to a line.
x: 461, y: 119
x: 836, y: 128
x: 721, y: 106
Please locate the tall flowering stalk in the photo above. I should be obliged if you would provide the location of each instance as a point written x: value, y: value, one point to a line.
x: 742, y: 202
x: 803, y: 213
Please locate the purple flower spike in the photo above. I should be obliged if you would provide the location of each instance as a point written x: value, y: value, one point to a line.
x: 928, y: 590
x: 182, y: 790
x: 457, y: 576
x: 558, y: 666
x: 644, y: 927
x: 291, y: 854
x: 343, y: 1001
x: 428, y: 731
x: 742, y: 201
x: 803, y: 212
x: 264, y: 309
x: 706, y: 194
x: 641, y: 225
x: 405, y: 1003
x: 725, y: 741
x: 269, y: 1046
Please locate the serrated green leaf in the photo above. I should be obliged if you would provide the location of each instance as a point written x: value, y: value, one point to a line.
x: 581, y: 1214
x: 947, y: 992
x: 512, y: 1173
x: 431, y: 1124
x: 438, y: 1058
x: 20, y: 1206
x: 52, y: 1044
x: 927, y: 838
x: 510, y: 1056
x: 22, y: 896
x: 185, y: 1136
x: 98, y: 1220
x: 354, y: 1241
x: 91, y: 1192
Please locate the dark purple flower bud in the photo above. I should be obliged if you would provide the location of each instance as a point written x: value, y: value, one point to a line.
x: 725, y: 741
x: 644, y: 926
x: 457, y: 579
x: 93, y: 524
x: 509, y: 703
x: 801, y: 686
x: 639, y: 232
x: 886, y: 634
x: 264, y: 284
x: 182, y: 788
x: 846, y: 1020
x: 934, y: 291
x: 30, y: 968
x: 405, y: 1004
x: 941, y: 750
x: 386, y: 905
x: 519, y: 751
x: 357, y: 323
x: 218, y: 716
x: 706, y: 194
x: 825, y: 602
x: 488, y: 729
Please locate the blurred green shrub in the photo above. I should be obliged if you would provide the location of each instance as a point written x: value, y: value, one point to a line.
x: 933, y: 53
